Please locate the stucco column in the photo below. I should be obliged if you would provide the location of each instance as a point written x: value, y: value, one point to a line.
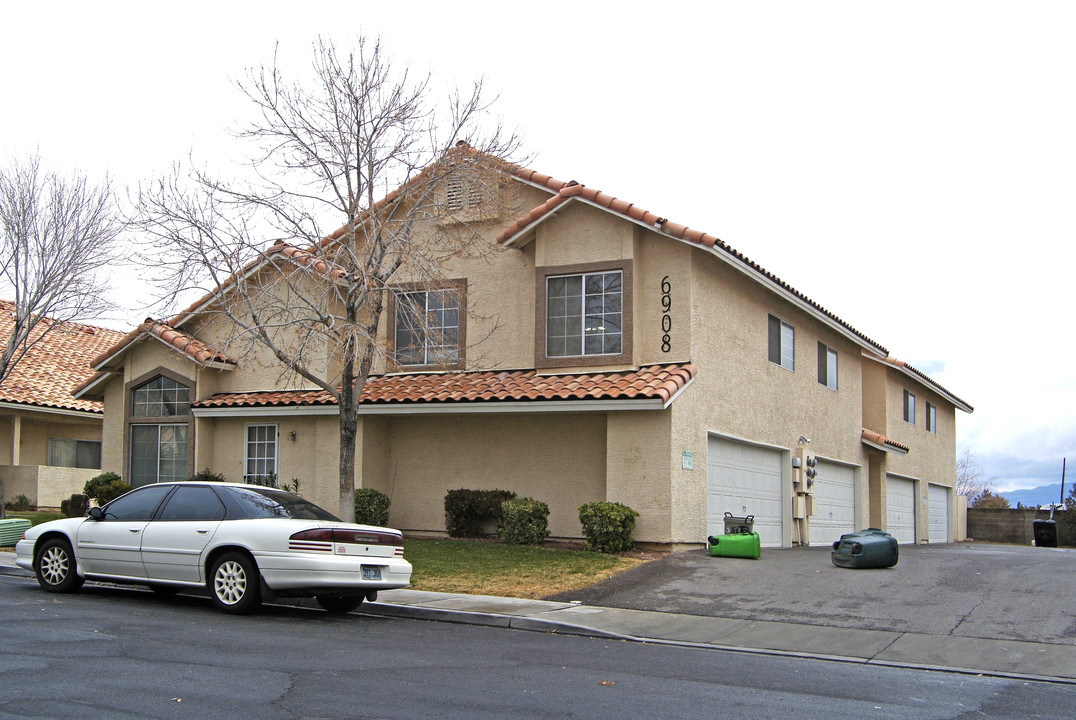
x: 16, y: 439
x: 875, y: 492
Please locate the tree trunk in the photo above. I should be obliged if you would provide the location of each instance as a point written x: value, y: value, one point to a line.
x: 349, y: 423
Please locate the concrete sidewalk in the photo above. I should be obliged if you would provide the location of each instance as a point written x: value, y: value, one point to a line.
x: 1003, y: 658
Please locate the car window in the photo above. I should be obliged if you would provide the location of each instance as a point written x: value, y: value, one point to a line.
x: 138, y: 504
x: 257, y: 502
x: 196, y: 502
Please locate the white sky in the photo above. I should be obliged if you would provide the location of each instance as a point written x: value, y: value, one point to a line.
x: 911, y: 166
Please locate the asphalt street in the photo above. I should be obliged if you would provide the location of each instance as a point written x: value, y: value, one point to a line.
x: 127, y: 653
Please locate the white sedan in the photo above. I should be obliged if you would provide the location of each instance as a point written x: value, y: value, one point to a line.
x: 244, y: 543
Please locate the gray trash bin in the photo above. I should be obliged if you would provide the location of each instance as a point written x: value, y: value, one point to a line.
x: 739, y: 525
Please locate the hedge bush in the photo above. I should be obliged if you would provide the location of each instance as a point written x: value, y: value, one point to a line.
x: 105, y: 487
x: 467, y: 510
x: 607, y: 526
x: 526, y: 521
x: 19, y: 503
x: 371, y: 507
x: 75, y: 506
x: 207, y: 475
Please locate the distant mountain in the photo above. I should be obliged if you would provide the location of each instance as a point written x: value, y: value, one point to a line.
x: 1043, y: 495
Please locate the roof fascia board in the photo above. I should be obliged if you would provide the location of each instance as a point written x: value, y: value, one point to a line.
x: 106, y: 375
x: 725, y: 257
x: 936, y: 389
x: 266, y: 411
x: 677, y: 393
x: 89, y: 414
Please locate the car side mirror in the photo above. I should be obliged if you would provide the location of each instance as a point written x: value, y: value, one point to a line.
x: 97, y: 513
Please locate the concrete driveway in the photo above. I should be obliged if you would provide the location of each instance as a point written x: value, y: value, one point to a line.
x: 977, y: 590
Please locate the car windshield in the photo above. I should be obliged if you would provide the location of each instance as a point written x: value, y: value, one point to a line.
x: 264, y: 503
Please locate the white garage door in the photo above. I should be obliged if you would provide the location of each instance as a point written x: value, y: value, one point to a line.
x: 835, y: 503
x: 900, y: 509
x: 744, y: 479
x: 938, y: 513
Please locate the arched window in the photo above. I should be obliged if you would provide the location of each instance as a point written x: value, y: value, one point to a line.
x: 159, y: 449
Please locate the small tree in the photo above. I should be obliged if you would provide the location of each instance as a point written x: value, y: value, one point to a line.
x: 105, y: 487
x: 986, y: 500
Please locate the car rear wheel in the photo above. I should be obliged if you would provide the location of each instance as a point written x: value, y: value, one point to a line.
x: 234, y: 583
x: 55, y: 567
x: 338, y: 604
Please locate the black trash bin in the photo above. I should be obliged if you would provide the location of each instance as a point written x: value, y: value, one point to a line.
x: 1045, y: 533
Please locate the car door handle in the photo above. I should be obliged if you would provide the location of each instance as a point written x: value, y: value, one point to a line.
x: 202, y: 532
x: 134, y: 530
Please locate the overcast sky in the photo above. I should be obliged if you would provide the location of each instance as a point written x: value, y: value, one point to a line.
x: 911, y: 166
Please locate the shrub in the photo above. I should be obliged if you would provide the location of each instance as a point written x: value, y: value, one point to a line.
x: 105, y: 487
x: 75, y: 506
x: 371, y: 507
x: 607, y: 526
x: 526, y: 521
x: 207, y: 475
x: 19, y: 503
x: 467, y: 510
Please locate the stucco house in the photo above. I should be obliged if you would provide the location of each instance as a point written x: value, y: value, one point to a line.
x: 50, y: 441
x: 625, y: 357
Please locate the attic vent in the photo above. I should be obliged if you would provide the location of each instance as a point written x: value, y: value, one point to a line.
x: 454, y: 199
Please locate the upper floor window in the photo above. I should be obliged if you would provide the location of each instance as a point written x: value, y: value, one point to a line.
x: 909, y: 407
x: 782, y: 343
x: 932, y: 419
x: 584, y: 314
x: 161, y: 397
x: 427, y: 327
x: 261, y: 452
x: 827, y: 366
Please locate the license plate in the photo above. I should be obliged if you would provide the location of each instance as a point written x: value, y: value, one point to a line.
x: 371, y: 572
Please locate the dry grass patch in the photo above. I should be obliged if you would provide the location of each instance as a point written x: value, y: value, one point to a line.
x: 493, y: 568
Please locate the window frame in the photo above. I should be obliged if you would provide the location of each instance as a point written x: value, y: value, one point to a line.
x: 826, y: 375
x: 775, y: 342
x: 394, y: 313
x: 131, y: 421
x: 909, y: 407
x: 247, y: 458
x: 541, y: 307
x: 54, y: 451
x: 932, y: 419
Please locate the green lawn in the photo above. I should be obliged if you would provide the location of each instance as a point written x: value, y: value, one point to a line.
x: 493, y: 568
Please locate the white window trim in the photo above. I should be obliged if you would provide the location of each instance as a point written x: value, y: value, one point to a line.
x: 246, y: 449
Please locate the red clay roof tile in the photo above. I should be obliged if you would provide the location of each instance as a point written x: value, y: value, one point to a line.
x: 652, y: 382
x: 51, y: 370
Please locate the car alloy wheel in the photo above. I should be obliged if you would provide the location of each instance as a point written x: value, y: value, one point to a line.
x: 55, y: 567
x: 234, y: 583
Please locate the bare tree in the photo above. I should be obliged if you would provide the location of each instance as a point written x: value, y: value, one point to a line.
x: 328, y: 150
x: 969, y: 476
x: 59, y: 233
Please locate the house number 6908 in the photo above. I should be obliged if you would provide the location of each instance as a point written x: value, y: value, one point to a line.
x: 666, y: 318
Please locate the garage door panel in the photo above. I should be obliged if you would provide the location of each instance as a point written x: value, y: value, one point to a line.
x: 835, y: 503
x: 744, y: 479
x: 938, y: 513
x: 900, y: 509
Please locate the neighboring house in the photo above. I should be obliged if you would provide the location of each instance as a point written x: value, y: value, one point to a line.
x: 50, y: 441
x: 625, y: 357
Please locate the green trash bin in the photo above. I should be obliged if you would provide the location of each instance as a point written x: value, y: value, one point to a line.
x: 870, y: 548
x: 741, y: 545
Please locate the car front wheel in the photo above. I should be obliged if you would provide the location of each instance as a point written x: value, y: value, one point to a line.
x: 234, y: 583
x: 338, y: 604
x: 55, y: 567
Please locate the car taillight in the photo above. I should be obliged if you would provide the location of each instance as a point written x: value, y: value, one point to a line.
x: 398, y: 552
x: 338, y: 535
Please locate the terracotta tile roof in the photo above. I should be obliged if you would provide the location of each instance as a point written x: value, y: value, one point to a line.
x: 880, y: 439
x: 566, y: 191
x: 656, y: 382
x: 187, y: 344
x: 51, y: 370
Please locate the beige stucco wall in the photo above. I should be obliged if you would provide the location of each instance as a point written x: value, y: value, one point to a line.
x: 558, y: 458
x: 35, y: 429
x: 45, y: 487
